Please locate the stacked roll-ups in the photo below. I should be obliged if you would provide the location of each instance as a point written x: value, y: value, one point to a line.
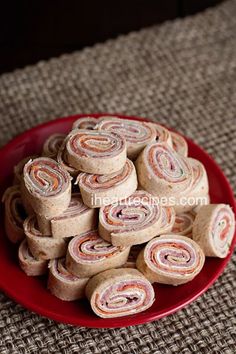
x: 42, y: 247
x: 18, y: 169
x: 200, y: 185
x: 183, y: 224
x: 28, y: 263
x: 176, y: 180
x: 47, y: 186
x: 130, y: 222
x: 99, y: 152
x: 19, y: 180
x: 76, y: 219
x: 62, y: 159
x: 119, y: 292
x: 180, y: 145
x: 205, y: 201
x: 168, y: 218
x: 99, y: 190
x: 14, y: 215
x: 89, y: 254
x: 199, y: 193
x: 52, y: 145
x: 137, y: 134
x: 163, y: 172
x: 171, y: 259
x: 151, y: 226
x: 213, y: 229
x: 63, y: 284
x: 85, y: 123
x: 162, y: 134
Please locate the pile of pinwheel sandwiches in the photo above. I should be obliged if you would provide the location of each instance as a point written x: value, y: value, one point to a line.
x: 106, y: 212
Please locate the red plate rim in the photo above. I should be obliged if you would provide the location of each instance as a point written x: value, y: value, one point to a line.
x: 122, y: 321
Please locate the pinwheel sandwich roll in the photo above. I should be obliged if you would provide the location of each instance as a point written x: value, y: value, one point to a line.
x: 26, y: 199
x: 163, y: 135
x: 52, y: 145
x: 119, y: 292
x: 162, y: 172
x: 199, y: 190
x: 89, y: 254
x: 167, y: 220
x: 62, y: 159
x: 171, y: 259
x: 19, y: 179
x: 42, y: 247
x: 19, y: 167
x: 205, y: 201
x: 180, y: 145
x: 88, y: 123
x: 14, y: 214
x: 213, y: 229
x: 200, y: 185
x: 63, y: 284
x: 28, y: 263
x: 137, y: 134
x: 48, y: 186
x: 76, y: 219
x: 183, y: 224
x: 98, y: 152
x: 133, y: 221
x: 99, y: 190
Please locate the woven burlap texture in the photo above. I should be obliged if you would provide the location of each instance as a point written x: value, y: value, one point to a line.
x: 181, y: 73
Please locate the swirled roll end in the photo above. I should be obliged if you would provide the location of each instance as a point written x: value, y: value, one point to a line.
x: 47, y: 186
x: 14, y: 214
x: 180, y: 145
x: 97, y: 152
x: 63, y: 284
x: 88, y: 254
x: 42, y: 247
x: 213, y: 229
x: 132, y: 221
x: 171, y: 259
x: 28, y: 263
x: 136, y: 293
x: 100, y: 190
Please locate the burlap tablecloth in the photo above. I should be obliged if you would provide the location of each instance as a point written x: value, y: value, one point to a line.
x: 182, y: 73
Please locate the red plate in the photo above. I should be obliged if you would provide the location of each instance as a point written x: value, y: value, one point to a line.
x: 32, y: 293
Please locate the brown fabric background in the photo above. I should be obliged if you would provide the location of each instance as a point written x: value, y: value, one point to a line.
x: 182, y: 73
